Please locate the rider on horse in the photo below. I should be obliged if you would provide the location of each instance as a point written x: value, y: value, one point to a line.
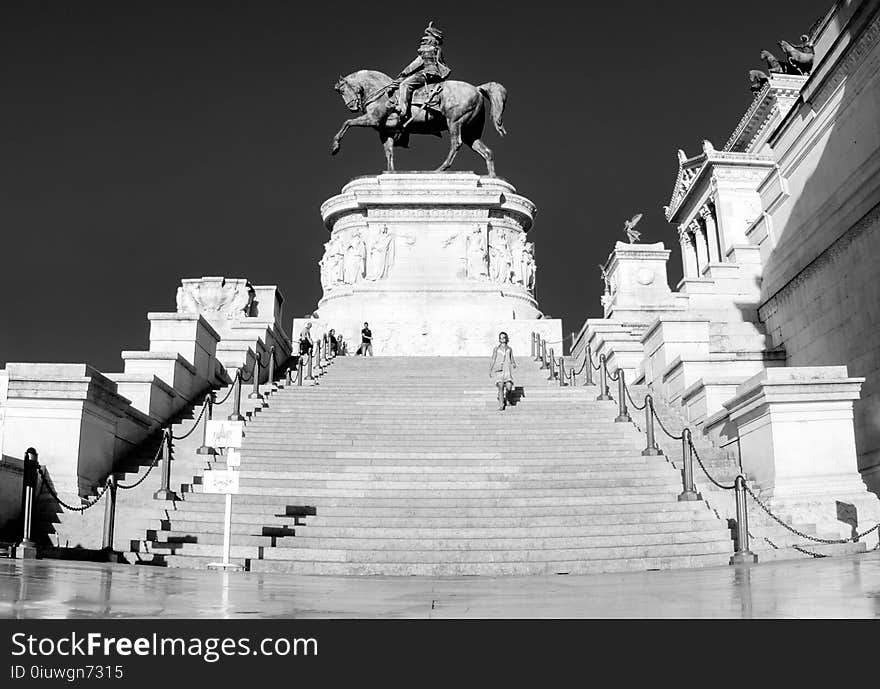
x: 427, y: 68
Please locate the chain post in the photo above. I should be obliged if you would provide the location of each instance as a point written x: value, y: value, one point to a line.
x: 588, y: 366
x: 542, y: 354
x: 299, y: 370
x: 533, y: 345
x: 604, y: 394
x: 552, y: 365
x: 622, y: 411
x: 236, y: 398
x: 689, y: 494
x: 255, y: 372
x: 742, y: 555
x: 271, y: 379
x: 206, y: 449
x: 109, y: 515
x: 572, y: 377
x: 309, y: 375
x: 27, y: 549
x: 561, y: 371
x: 288, y: 372
x: 651, y: 448
x: 165, y: 492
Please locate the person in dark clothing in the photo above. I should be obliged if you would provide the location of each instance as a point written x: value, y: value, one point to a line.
x: 334, y: 343
x: 366, y: 340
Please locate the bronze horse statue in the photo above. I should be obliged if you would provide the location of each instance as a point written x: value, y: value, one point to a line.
x: 453, y: 106
x: 801, y: 60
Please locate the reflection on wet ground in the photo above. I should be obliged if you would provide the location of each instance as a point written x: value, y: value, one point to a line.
x: 847, y: 587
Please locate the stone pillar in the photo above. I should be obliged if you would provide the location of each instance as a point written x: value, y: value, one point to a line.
x: 797, y: 443
x: 711, y: 229
x: 688, y: 256
x: 700, y: 245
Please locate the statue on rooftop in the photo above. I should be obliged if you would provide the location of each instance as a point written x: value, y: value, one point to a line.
x: 426, y: 102
x: 629, y: 227
x: 798, y: 57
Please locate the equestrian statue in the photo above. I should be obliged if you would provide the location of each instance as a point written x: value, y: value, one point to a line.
x: 422, y: 100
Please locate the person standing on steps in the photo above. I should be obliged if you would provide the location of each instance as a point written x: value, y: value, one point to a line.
x: 305, y: 341
x: 334, y: 343
x: 366, y: 340
x: 501, y: 369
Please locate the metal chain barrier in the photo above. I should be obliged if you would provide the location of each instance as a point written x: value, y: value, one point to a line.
x: 703, y: 466
x: 71, y: 508
x: 662, y: 427
x: 152, y: 466
x: 631, y: 401
x: 194, y: 426
x: 816, y: 539
x: 229, y: 391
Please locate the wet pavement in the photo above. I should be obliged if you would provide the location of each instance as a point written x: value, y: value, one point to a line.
x: 842, y: 587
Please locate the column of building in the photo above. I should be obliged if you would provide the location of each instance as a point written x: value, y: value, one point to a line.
x: 710, y: 227
x: 688, y: 254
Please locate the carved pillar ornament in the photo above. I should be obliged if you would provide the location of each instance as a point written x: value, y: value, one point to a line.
x: 700, y: 244
x: 688, y: 255
x: 711, y: 233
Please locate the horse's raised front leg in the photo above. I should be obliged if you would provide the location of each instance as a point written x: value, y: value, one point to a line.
x: 366, y: 120
x: 454, y: 145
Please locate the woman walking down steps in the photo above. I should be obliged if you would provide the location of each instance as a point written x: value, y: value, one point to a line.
x: 501, y: 369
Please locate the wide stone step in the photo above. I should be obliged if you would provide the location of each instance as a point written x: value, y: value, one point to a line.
x: 664, y: 549
x: 460, y: 493
x: 268, y: 507
x: 637, y: 520
x: 371, y: 533
x: 434, y: 473
x: 450, y: 499
x: 362, y: 546
x: 496, y: 569
x: 666, y: 483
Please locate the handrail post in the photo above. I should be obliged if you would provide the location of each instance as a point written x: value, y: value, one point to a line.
x: 604, y: 395
x: 651, y: 448
x: 543, y: 354
x: 561, y: 371
x: 165, y: 492
x: 109, y: 515
x: 622, y: 411
x: 533, y: 345
x: 255, y: 393
x: 26, y: 548
x: 271, y: 380
x: 206, y: 449
x: 689, y: 494
x: 236, y: 398
x: 552, y: 365
x: 742, y: 555
x: 299, y: 370
x: 320, y: 359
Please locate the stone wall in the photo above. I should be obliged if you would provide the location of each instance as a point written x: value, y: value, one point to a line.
x: 818, y: 236
x: 831, y: 313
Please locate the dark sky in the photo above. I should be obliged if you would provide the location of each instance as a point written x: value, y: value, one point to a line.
x: 142, y: 142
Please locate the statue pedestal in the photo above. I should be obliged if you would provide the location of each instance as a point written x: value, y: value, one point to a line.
x: 437, y: 263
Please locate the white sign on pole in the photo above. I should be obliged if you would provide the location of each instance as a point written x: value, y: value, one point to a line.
x: 221, y: 481
x: 223, y: 433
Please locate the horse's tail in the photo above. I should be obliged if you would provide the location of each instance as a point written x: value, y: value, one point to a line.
x: 497, y: 96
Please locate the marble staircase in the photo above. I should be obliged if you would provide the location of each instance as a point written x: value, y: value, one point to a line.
x: 403, y: 466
